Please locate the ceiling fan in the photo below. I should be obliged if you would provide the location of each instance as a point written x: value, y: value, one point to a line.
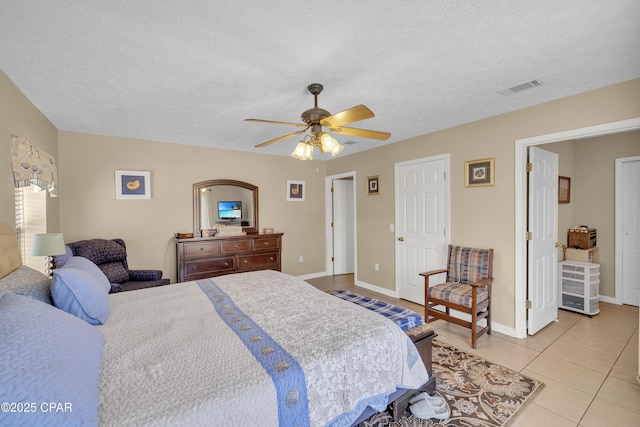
x: 316, y: 118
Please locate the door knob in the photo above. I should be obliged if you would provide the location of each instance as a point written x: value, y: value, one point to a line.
x: 401, y: 238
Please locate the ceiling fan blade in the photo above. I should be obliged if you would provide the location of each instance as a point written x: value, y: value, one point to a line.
x: 374, y: 134
x: 264, y: 144
x: 350, y: 115
x: 300, y: 125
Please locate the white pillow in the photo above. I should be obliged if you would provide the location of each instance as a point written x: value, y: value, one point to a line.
x: 48, y: 356
x: 82, y: 263
x: 79, y: 293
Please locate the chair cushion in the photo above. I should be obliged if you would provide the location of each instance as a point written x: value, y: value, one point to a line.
x: 467, y: 265
x: 100, y: 251
x: 459, y: 293
x: 115, y: 272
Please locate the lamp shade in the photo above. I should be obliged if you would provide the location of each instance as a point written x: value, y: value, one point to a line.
x: 48, y: 244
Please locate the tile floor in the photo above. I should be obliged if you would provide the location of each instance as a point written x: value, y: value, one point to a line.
x: 588, y: 365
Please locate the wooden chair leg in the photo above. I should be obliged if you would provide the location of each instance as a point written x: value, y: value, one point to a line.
x: 489, y: 310
x: 474, y: 316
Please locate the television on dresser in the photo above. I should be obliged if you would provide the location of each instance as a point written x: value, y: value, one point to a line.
x: 229, y: 210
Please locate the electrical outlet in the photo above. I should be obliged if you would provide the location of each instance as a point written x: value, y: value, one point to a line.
x: 301, y: 259
x: 376, y: 267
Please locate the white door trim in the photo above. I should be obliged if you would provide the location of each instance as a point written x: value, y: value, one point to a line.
x: 328, y: 214
x: 618, y: 226
x: 521, y: 145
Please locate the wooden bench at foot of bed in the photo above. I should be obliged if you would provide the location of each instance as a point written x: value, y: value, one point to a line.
x: 422, y: 337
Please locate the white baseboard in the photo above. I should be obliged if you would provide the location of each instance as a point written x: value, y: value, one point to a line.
x: 313, y: 275
x: 378, y: 289
x: 609, y: 300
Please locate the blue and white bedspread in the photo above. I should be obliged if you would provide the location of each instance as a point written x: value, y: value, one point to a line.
x: 260, y: 348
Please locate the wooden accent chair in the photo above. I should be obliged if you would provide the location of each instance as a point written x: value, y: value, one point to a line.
x: 467, y: 289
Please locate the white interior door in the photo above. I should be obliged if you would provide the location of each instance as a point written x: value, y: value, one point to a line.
x: 630, y: 232
x: 343, y: 226
x: 421, y: 223
x: 543, y: 226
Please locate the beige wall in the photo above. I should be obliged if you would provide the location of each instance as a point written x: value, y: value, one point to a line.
x: 590, y: 163
x: 481, y: 216
x: 89, y: 209
x: 18, y: 116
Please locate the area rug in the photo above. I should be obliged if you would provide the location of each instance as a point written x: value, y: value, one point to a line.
x: 479, y: 393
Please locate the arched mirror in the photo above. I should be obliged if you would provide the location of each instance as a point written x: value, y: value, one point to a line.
x: 225, y: 201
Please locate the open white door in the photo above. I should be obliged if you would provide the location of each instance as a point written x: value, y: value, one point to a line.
x: 343, y: 226
x: 543, y: 228
x: 630, y: 228
x: 421, y: 223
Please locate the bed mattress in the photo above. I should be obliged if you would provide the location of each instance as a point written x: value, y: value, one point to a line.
x: 258, y: 348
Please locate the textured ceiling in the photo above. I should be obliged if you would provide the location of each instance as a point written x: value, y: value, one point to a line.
x: 189, y: 72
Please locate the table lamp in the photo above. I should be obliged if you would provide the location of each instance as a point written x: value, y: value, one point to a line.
x: 47, y: 245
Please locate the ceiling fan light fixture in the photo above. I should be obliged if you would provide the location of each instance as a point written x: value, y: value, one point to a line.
x: 329, y: 145
x: 303, y: 151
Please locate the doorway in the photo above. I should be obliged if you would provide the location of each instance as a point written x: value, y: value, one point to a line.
x: 340, y: 224
x: 521, y: 150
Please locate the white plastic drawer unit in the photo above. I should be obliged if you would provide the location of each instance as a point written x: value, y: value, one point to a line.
x: 579, y: 287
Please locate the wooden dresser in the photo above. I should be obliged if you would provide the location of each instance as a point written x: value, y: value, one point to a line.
x: 199, y: 258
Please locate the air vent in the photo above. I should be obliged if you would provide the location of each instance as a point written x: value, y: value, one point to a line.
x: 350, y: 142
x: 520, y: 87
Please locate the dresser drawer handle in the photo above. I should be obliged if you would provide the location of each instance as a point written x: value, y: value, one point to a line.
x: 266, y: 243
x: 270, y: 258
x: 194, y: 268
x: 226, y: 264
x: 201, y: 248
x: 235, y: 246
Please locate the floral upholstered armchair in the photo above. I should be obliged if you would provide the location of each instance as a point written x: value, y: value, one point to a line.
x: 111, y: 257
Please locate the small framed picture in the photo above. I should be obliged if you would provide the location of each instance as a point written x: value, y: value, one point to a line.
x: 133, y: 185
x: 373, y: 185
x: 564, y: 189
x: 478, y: 173
x: 295, y: 191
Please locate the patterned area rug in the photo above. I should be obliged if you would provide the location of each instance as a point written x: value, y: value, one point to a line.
x: 478, y: 393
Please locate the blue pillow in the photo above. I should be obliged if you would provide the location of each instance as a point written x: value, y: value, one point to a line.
x: 48, y: 357
x: 79, y: 293
x: 84, y: 264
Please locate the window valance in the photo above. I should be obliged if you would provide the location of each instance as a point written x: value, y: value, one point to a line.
x: 33, y: 166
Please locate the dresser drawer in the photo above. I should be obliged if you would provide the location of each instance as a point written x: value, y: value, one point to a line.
x: 202, y: 267
x: 264, y: 261
x: 235, y: 246
x: 264, y: 244
x: 201, y: 250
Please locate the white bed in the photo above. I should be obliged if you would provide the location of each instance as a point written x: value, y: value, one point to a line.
x: 171, y: 359
x: 260, y: 348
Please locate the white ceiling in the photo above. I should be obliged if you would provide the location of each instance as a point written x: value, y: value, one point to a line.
x: 189, y: 72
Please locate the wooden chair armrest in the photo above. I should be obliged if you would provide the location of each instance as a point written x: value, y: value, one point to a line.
x: 483, y: 282
x: 432, y: 272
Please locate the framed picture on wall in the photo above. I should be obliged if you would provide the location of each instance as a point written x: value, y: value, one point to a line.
x: 478, y: 173
x: 133, y: 185
x: 373, y: 185
x: 295, y: 191
x: 564, y: 189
